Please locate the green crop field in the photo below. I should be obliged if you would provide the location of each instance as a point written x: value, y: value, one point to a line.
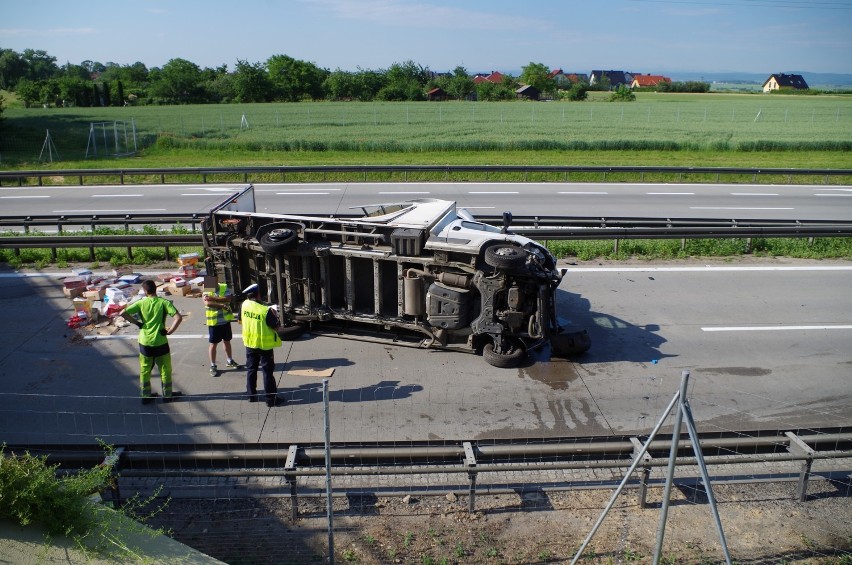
x: 654, y: 122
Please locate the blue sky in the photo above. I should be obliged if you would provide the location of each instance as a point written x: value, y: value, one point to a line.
x: 648, y: 36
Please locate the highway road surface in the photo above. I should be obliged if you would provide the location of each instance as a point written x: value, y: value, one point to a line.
x: 767, y: 345
x: 740, y: 201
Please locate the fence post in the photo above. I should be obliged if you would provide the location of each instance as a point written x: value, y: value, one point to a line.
x: 328, y: 502
x: 642, y: 494
x: 799, y: 447
x: 290, y: 477
x: 470, y: 463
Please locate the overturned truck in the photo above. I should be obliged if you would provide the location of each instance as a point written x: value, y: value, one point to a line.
x: 420, y: 269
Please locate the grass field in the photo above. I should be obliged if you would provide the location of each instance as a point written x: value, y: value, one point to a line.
x: 690, y: 127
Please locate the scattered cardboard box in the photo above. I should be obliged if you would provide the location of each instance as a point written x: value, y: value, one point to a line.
x: 73, y: 292
x: 74, y: 282
x: 310, y: 372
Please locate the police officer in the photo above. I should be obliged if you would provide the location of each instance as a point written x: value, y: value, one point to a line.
x: 217, y: 302
x: 260, y: 338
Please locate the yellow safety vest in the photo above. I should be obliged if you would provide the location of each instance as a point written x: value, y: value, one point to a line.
x: 219, y: 316
x: 256, y: 334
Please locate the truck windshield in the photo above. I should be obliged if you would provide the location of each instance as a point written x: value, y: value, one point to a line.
x: 480, y: 227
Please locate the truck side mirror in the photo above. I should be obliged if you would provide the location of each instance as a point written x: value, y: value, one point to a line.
x: 507, y: 221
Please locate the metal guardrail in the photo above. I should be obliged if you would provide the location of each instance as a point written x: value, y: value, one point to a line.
x: 203, y: 174
x: 459, y: 457
x: 541, y: 228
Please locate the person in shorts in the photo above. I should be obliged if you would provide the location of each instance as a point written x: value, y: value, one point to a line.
x: 217, y: 303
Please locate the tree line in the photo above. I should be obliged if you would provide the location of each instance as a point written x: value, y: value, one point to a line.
x: 37, y: 79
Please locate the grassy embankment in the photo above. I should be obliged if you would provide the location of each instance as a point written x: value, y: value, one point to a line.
x: 673, y: 130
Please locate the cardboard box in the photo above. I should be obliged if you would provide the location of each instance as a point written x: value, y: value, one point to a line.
x: 95, y: 293
x: 74, y: 282
x: 180, y: 290
x: 82, y: 306
x: 121, y: 271
x: 185, y: 259
x: 114, y: 295
x: 73, y: 292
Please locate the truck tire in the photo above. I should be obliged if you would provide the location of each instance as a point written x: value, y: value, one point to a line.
x: 503, y: 360
x: 289, y: 333
x: 505, y: 257
x: 278, y: 240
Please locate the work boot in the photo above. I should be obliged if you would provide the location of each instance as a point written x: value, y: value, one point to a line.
x: 275, y: 401
x: 171, y: 398
x: 149, y: 399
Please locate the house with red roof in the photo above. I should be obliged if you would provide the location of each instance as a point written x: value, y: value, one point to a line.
x: 495, y: 77
x: 644, y: 81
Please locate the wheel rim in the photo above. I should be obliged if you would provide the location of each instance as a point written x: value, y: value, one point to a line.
x: 280, y: 234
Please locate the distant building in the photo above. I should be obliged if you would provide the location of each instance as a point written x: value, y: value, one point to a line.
x: 436, y: 94
x: 565, y: 80
x: 495, y: 77
x: 640, y: 80
x: 527, y: 92
x: 615, y: 78
x: 781, y: 80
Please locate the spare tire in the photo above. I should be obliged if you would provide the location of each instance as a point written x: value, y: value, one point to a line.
x: 278, y: 240
x: 505, y: 257
x: 504, y: 360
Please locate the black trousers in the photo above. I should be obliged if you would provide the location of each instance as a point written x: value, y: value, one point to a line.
x: 264, y: 359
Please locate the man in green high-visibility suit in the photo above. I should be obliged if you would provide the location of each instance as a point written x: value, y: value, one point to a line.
x: 149, y: 314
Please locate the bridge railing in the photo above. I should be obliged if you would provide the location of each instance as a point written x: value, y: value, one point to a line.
x: 438, y: 173
x: 59, y: 231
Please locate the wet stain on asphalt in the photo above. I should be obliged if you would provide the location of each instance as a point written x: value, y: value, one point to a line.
x: 556, y: 373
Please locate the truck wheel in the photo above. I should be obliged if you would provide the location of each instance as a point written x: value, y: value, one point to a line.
x: 505, y: 359
x: 278, y: 240
x: 506, y: 257
x: 289, y: 333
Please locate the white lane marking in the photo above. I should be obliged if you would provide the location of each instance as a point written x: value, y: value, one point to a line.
x: 494, y: 192
x: 20, y: 197
x: 479, y: 207
x: 117, y: 195
x: 754, y: 194
x: 733, y: 208
x: 404, y: 192
x: 108, y: 211
x: 833, y: 189
x: 670, y: 193
x: 771, y: 328
x: 833, y: 194
x: 302, y: 193
x: 583, y: 192
x: 709, y: 269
